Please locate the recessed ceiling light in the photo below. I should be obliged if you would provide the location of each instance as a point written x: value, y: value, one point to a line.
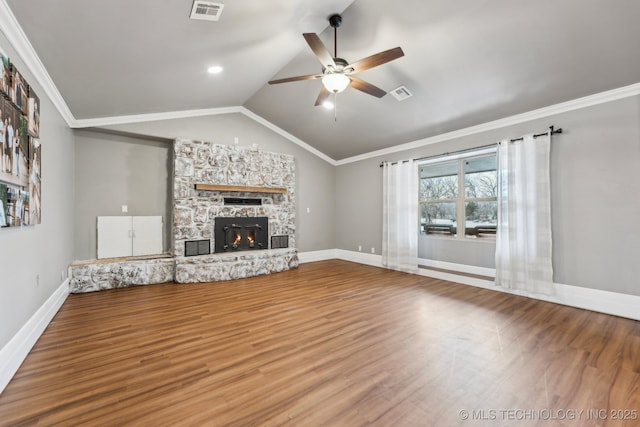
x: 328, y: 105
x: 216, y: 69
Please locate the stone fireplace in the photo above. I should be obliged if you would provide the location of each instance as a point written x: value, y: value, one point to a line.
x: 223, y: 193
x: 249, y: 193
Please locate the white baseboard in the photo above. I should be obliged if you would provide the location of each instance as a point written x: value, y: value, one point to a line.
x: 360, y: 257
x: 16, y: 350
x: 613, y: 303
x: 314, y: 256
x: 461, y: 268
x: 617, y: 304
x: 457, y: 278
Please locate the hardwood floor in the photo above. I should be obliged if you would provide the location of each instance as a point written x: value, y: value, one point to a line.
x: 332, y: 343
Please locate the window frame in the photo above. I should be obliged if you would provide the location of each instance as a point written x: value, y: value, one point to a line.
x: 461, y: 198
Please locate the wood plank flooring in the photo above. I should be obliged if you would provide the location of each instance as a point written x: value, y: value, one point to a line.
x: 332, y: 343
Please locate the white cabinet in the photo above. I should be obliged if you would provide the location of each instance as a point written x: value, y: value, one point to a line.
x: 115, y: 236
x: 120, y: 236
x: 147, y: 235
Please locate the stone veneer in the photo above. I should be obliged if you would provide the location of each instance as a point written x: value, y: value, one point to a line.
x: 100, y: 275
x: 211, y: 268
x: 197, y: 162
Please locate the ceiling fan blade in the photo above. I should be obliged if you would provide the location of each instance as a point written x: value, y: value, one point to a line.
x: 377, y: 59
x: 365, y: 87
x: 319, y: 49
x: 295, y: 79
x: 322, y: 97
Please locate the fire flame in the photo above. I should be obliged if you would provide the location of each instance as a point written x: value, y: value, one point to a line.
x: 237, y: 239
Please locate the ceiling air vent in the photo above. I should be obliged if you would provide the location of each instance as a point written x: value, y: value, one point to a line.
x: 206, y: 10
x: 401, y: 93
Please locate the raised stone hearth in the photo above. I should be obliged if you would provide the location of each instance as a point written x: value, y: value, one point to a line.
x: 211, y: 268
x: 120, y: 273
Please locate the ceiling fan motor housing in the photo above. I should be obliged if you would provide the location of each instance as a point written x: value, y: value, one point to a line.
x: 341, y: 66
x: 335, y: 20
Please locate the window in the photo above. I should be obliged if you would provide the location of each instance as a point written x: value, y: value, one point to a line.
x: 461, y: 192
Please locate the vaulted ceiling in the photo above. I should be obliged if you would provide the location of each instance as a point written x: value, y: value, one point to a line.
x: 466, y: 62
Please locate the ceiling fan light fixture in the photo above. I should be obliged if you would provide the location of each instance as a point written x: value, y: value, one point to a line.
x: 335, y: 82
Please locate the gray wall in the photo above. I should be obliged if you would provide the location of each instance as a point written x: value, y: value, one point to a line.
x: 46, y: 249
x: 315, y: 178
x: 595, y: 176
x: 114, y: 170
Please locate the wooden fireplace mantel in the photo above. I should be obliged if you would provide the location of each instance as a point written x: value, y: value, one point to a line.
x: 240, y: 188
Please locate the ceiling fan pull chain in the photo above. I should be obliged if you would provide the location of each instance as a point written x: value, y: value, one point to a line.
x: 335, y: 107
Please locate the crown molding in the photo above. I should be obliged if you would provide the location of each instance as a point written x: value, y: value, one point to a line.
x: 563, y: 107
x: 139, y: 118
x: 287, y: 135
x: 576, y: 104
x: 152, y: 117
x: 21, y: 44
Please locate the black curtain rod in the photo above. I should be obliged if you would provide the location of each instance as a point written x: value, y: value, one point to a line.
x: 552, y: 129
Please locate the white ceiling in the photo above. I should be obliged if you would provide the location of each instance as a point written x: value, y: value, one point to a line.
x: 467, y: 62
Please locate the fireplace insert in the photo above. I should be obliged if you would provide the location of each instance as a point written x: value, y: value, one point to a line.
x: 240, y: 234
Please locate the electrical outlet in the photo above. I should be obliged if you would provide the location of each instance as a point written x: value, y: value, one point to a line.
x: 125, y: 209
x: 359, y: 248
x: 37, y: 280
x: 62, y: 275
x: 373, y: 250
x: 308, y: 210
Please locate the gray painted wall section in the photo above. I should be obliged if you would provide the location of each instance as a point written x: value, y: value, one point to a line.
x: 46, y: 249
x: 315, y: 178
x: 114, y: 170
x: 480, y: 253
x: 595, y: 176
x: 359, y: 206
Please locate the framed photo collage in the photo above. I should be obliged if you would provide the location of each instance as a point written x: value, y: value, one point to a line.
x: 20, y: 161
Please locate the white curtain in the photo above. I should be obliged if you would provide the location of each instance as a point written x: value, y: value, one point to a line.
x: 400, y: 216
x: 523, y: 238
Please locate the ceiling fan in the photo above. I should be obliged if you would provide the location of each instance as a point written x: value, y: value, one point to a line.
x: 337, y: 73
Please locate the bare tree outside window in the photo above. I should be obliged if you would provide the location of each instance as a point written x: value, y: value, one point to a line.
x: 444, y: 203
